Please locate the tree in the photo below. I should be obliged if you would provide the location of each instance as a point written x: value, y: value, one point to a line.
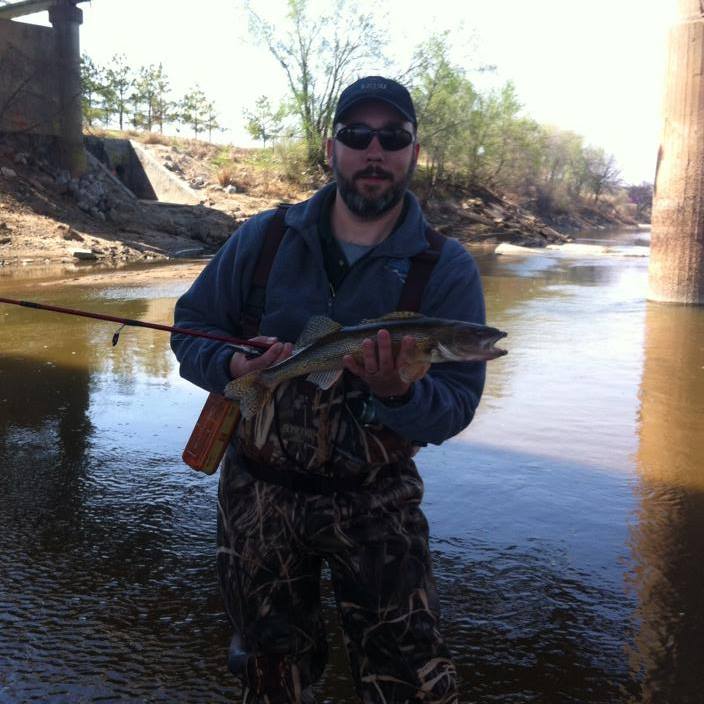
x: 642, y: 197
x: 144, y: 96
x: 263, y: 123
x: 163, y: 110
x: 602, y: 172
x: 211, y: 120
x: 91, y: 89
x: 118, y: 82
x: 319, y: 57
x: 560, y: 153
x: 443, y: 98
x: 502, y: 136
x: 193, y: 110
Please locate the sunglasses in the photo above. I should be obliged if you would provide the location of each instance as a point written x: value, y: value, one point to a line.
x: 392, y: 139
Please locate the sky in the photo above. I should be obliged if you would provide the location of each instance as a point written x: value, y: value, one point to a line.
x: 596, y: 68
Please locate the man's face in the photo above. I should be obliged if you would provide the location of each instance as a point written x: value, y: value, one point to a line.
x: 372, y: 180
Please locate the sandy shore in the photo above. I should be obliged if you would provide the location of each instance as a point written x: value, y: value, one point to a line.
x: 22, y: 278
x: 134, y: 276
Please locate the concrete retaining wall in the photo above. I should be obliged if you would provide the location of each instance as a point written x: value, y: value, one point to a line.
x: 29, y: 100
x: 138, y: 171
x: 166, y: 186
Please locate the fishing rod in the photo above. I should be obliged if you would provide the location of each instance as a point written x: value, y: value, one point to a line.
x: 219, y: 417
x: 248, y: 347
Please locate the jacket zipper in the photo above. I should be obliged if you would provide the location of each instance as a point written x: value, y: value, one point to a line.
x: 331, y: 298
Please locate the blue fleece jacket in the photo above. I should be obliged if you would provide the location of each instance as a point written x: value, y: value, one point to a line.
x: 441, y: 404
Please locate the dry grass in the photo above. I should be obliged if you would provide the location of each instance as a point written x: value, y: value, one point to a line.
x: 199, y: 150
x: 154, y: 138
x: 225, y: 176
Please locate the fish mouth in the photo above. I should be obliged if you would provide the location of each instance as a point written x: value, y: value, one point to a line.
x: 480, y: 347
x: 488, y: 343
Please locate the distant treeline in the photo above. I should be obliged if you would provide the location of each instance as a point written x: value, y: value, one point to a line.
x: 120, y: 95
x: 467, y: 135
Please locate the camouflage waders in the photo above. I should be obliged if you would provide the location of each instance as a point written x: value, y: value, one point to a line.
x: 272, y: 542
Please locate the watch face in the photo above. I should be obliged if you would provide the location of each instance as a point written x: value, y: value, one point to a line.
x: 393, y: 401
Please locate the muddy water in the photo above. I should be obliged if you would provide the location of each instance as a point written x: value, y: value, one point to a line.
x: 567, y: 522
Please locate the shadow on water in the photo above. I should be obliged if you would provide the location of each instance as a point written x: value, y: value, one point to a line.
x: 107, y: 589
x: 529, y: 559
x: 528, y: 554
x: 668, y: 540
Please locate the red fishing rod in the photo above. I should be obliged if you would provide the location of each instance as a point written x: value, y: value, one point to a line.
x: 249, y: 347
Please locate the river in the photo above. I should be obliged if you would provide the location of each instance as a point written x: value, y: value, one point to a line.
x: 567, y: 522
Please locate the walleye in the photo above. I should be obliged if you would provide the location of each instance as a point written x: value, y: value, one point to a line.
x: 319, y: 350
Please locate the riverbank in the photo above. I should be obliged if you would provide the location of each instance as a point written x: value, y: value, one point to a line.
x: 49, y: 219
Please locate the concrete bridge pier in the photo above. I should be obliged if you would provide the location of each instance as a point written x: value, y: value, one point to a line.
x: 677, y: 245
x: 66, y: 20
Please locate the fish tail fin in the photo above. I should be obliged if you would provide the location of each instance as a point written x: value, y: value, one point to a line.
x: 249, y: 392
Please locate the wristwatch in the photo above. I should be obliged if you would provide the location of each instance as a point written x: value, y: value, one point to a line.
x: 397, y: 401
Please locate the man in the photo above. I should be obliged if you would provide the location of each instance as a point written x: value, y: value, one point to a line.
x: 327, y: 475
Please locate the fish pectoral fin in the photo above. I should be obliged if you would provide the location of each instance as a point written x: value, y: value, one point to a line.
x: 249, y: 392
x: 325, y: 380
x: 317, y: 326
x: 413, y: 371
x: 396, y: 315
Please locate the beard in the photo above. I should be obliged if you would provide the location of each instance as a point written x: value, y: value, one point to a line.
x: 370, y: 207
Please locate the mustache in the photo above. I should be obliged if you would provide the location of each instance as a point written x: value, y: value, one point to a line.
x: 373, y: 171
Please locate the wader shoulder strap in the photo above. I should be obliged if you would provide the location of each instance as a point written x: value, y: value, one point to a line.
x: 254, y: 305
x: 421, y: 268
x: 422, y: 265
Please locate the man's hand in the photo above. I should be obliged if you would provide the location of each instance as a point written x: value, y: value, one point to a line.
x: 240, y: 365
x: 385, y: 375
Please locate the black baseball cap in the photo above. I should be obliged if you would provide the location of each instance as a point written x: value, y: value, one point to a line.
x: 379, y: 88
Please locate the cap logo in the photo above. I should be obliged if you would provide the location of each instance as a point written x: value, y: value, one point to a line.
x: 373, y: 85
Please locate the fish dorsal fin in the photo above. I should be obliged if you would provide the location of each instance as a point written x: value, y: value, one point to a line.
x: 396, y: 315
x: 317, y: 326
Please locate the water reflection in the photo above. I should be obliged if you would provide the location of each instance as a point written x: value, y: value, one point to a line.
x: 150, y: 356
x: 668, y: 541
x: 106, y: 573
x: 555, y: 268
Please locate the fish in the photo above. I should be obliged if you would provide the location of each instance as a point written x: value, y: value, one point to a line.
x: 318, y: 353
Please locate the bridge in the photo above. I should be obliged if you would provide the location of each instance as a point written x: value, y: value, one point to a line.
x: 65, y: 18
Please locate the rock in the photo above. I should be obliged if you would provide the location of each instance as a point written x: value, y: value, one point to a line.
x: 71, y: 235
x: 21, y: 158
x: 5, y: 240
x: 508, y: 248
x: 231, y: 189
x: 84, y: 255
x: 7, y: 172
x: 191, y: 252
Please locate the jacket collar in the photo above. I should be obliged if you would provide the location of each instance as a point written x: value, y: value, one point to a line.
x: 406, y: 240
